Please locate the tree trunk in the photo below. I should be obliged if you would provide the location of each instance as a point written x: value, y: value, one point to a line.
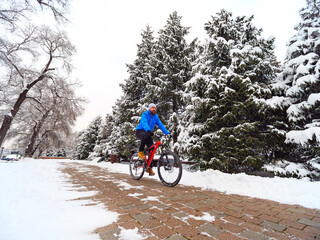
x: 5, y: 127
x: 30, y: 148
x: 175, y: 131
x: 44, y: 136
x: 7, y: 121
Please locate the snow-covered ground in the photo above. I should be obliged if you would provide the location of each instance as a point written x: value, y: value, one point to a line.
x: 34, y: 204
x: 34, y: 198
x: 283, y: 190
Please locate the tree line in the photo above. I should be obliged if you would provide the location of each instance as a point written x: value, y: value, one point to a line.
x: 227, y: 101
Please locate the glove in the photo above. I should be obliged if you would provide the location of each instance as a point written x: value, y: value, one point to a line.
x: 150, y: 133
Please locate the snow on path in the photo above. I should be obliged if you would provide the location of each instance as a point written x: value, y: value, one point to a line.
x: 283, y: 190
x: 34, y: 204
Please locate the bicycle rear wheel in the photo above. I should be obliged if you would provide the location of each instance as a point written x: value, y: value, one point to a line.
x: 169, y: 168
x: 137, y: 167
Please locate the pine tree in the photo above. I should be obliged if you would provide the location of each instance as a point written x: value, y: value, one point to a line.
x: 170, y: 69
x: 87, y: 139
x: 132, y: 104
x: 227, y: 119
x: 123, y: 133
x: 300, y: 83
x: 104, y: 144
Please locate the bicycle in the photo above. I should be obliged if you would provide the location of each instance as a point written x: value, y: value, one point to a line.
x: 169, y: 165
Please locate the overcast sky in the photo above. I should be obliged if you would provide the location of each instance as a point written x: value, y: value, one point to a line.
x: 106, y: 34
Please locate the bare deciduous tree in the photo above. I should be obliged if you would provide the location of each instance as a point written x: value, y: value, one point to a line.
x: 41, y: 55
x: 51, y: 111
x: 11, y: 11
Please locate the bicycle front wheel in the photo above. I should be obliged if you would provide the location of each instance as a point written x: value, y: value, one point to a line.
x: 169, y: 168
x: 137, y: 167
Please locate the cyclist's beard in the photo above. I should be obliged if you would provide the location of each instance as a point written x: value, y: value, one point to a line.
x: 153, y: 112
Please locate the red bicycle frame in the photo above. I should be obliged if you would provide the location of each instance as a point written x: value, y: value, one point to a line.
x: 152, y: 152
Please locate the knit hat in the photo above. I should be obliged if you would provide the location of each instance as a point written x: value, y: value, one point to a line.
x: 152, y: 105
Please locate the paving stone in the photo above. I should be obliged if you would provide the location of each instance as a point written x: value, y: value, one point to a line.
x: 235, y: 208
x: 192, y: 205
x: 163, y: 232
x: 124, y: 218
x: 309, y: 223
x: 161, y: 216
x: 296, y: 225
x: 151, y: 223
x: 210, y: 229
x: 160, y: 205
x: 301, y: 234
x: 175, y: 198
x: 187, y: 231
x: 211, y: 201
x: 110, y: 235
x: 269, y: 218
x: 173, y: 222
x: 128, y: 206
x: 180, y: 214
x: 176, y: 237
x: 277, y: 235
x: 144, y: 206
x: 129, y: 225
x: 253, y: 227
x: 274, y: 226
x: 233, y: 220
x: 313, y: 230
x: 142, y: 217
x: 232, y: 228
x: 195, y: 223
x: 296, y: 210
x: 217, y: 214
x: 253, y: 235
x: 228, y: 236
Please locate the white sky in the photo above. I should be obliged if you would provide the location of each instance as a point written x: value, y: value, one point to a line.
x: 106, y: 33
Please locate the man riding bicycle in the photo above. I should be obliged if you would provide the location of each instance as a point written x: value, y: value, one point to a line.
x: 144, y: 130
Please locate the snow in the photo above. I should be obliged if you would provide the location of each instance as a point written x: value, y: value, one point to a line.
x: 288, y: 167
x: 130, y: 234
x: 303, y: 136
x: 126, y: 186
x: 313, y: 98
x: 301, y: 81
x: 34, y: 204
x: 36, y: 199
x: 206, y: 217
x: 283, y: 190
x: 276, y: 101
x: 150, y: 198
x: 135, y: 194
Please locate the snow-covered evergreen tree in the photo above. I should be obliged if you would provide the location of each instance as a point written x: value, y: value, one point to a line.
x: 299, y: 82
x: 123, y: 133
x: 104, y: 143
x: 226, y: 114
x: 170, y: 68
x: 132, y: 104
x: 87, y: 139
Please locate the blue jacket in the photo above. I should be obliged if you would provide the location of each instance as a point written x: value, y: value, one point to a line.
x: 149, y: 121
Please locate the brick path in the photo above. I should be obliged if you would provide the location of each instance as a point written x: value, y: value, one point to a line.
x: 161, y: 212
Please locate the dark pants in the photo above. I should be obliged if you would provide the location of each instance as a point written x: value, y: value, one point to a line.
x: 145, y: 138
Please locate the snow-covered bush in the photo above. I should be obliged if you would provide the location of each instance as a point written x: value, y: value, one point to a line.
x: 310, y: 169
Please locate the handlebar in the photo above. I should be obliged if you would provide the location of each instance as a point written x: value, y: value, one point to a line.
x: 159, y: 136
